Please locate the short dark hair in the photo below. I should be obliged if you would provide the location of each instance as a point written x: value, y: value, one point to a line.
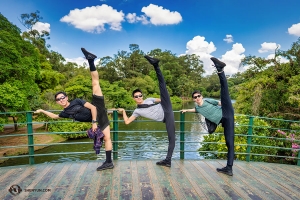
x: 135, y: 91
x: 60, y: 92
x: 196, y: 91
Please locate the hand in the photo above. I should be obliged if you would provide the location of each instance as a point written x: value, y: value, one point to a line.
x: 39, y: 111
x: 183, y: 111
x: 121, y: 109
x: 94, y: 127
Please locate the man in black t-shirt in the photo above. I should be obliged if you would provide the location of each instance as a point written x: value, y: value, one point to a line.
x: 83, y: 111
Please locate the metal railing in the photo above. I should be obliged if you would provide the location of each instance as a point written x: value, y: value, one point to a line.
x: 250, y: 134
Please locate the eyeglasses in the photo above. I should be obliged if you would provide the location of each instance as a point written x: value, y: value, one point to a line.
x: 195, y: 97
x: 61, y: 98
x: 137, y: 96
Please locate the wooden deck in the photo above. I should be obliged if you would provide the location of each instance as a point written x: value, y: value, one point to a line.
x: 143, y: 179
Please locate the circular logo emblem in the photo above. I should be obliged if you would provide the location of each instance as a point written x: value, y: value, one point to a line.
x: 15, y: 190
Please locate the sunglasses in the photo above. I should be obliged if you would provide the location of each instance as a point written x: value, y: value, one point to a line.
x: 195, y: 97
x: 137, y: 96
x: 61, y: 98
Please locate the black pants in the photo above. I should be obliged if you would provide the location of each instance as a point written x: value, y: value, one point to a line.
x: 168, y: 111
x: 227, y: 118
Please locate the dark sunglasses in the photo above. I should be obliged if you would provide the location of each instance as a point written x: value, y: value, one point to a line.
x: 195, y: 97
x: 137, y: 96
x: 61, y: 98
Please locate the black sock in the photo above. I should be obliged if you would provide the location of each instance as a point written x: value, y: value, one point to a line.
x: 92, y: 65
x: 108, y: 156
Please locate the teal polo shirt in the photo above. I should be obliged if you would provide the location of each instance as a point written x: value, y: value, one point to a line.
x: 210, y: 110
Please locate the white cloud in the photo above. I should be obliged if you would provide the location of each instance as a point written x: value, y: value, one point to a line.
x: 80, y: 60
x: 160, y: 16
x: 39, y: 26
x: 279, y: 58
x: 202, y: 48
x: 233, y: 59
x: 268, y: 47
x: 132, y: 18
x: 228, y: 39
x: 93, y: 19
x: 294, y: 29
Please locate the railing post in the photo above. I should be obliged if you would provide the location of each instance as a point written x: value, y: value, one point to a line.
x: 182, y: 123
x: 115, y: 134
x: 298, y: 162
x: 249, y: 138
x: 30, y: 137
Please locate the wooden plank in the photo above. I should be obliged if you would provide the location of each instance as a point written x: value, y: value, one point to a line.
x: 144, y: 179
x: 196, y: 180
x: 94, y: 183
x: 285, y: 183
x: 216, y: 182
x: 178, y: 178
x: 157, y: 189
x: 105, y: 184
x: 14, y: 179
x: 256, y: 187
x: 45, y: 180
x: 115, y: 193
x: 126, y: 180
x: 64, y: 168
x: 136, y: 188
x: 73, y: 187
x: 235, y: 183
x: 193, y: 177
x: 271, y: 184
x: 164, y: 181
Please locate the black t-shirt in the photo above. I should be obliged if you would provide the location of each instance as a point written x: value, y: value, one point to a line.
x: 77, y: 111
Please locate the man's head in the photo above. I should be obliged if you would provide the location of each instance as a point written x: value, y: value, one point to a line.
x: 197, y: 96
x: 61, y: 98
x: 137, y: 96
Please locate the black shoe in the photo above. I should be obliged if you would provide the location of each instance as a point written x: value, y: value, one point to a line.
x: 165, y: 162
x: 105, y: 165
x: 218, y: 64
x: 225, y: 170
x: 87, y: 54
x: 151, y: 60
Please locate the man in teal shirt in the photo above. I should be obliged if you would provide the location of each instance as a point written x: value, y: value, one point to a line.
x: 219, y: 112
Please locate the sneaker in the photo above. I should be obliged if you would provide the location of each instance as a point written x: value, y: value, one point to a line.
x: 87, y: 54
x: 165, y: 162
x: 225, y: 170
x: 105, y: 165
x: 152, y: 60
x: 218, y: 64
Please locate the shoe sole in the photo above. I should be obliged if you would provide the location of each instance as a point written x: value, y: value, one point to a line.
x: 164, y: 165
x: 105, y: 168
x: 229, y: 174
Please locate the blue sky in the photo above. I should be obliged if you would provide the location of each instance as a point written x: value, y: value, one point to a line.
x: 226, y: 29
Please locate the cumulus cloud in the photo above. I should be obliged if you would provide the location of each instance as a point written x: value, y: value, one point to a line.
x: 294, y: 29
x: 132, y: 18
x: 228, y: 39
x: 202, y: 48
x: 280, y: 59
x: 268, y: 47
x: 93, y: 19
x: 161, y: 16
x: 39, y: 26
x: 80, y: 61
x: 233, y: 59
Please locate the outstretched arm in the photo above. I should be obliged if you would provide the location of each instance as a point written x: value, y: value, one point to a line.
x: 49, y: 114
x: 125, y: 117
x: 188, y: 110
